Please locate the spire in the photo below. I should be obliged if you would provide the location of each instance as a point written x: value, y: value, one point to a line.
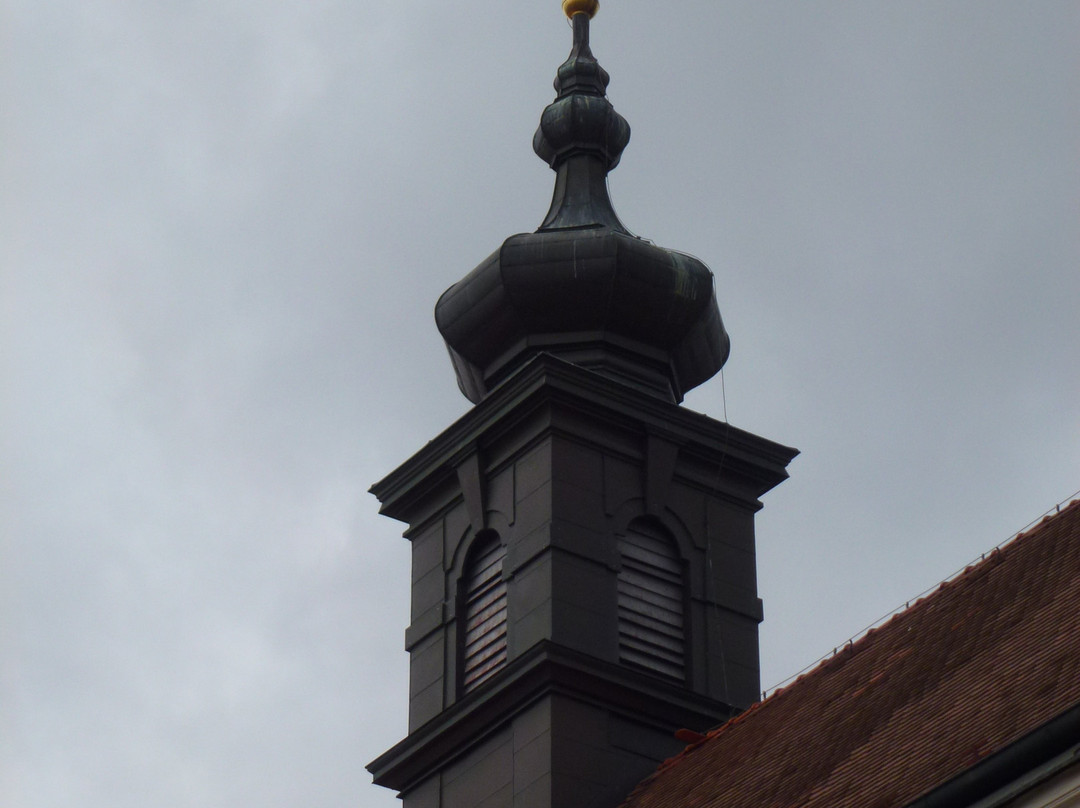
x: 581, y: 136
x: 582, y: 287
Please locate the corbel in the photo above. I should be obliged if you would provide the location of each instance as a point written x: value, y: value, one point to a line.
x: 661, y: 455
x: 473, y: 488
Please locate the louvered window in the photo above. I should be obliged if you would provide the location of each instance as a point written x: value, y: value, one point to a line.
x: 651, y: 605
x: 484, y: 651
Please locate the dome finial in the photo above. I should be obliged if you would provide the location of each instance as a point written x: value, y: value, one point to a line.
x: 572, y: 7
x: 581, y: 136
x: 582, y: 288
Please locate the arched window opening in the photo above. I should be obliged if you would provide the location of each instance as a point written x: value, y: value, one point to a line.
x: 484, y: 593
x: 651, y: 603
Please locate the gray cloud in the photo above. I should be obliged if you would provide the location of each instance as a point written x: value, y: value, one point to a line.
x: 225, y: 228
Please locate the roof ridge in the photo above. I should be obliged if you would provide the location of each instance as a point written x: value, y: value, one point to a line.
x: 1071, y: 502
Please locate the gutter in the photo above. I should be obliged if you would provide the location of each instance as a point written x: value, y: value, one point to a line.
x: 1011, y: 771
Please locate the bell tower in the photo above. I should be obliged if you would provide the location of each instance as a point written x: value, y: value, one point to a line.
x: 583, y: 568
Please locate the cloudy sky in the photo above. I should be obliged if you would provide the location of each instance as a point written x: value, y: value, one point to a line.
x: 225, y: 225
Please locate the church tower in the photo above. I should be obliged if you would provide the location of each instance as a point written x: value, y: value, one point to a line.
x: 583, y: 569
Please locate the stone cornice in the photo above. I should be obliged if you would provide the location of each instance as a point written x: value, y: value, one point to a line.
x: 544, y: 670
x: 757, y: 463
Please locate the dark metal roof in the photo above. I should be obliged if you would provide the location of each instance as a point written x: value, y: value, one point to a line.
x: 582, y: 286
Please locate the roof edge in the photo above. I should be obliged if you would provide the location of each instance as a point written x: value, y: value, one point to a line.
x: 1007, y: 764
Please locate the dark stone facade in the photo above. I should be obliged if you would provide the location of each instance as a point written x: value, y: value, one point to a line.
x: 558, y: 460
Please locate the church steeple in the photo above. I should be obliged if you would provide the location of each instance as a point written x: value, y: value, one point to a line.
x: 583, y: 576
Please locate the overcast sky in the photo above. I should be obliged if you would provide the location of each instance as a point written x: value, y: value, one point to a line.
x: 225, y: 225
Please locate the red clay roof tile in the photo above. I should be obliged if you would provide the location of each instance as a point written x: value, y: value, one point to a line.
x: 962, y: 673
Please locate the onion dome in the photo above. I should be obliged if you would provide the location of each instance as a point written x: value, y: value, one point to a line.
x: 582, y: 287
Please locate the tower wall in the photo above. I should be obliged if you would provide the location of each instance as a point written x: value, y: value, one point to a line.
x: 559, y: 462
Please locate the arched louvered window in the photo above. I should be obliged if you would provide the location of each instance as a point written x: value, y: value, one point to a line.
x: 651, y: 603
x: 484, y: 595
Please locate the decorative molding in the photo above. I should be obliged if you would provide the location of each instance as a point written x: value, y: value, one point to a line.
x: 752, y: 465
x: 471, y: 479
x: 546, y: 669
x: 661, y: 457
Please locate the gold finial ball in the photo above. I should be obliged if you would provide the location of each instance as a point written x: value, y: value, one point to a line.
x: 572, y: 7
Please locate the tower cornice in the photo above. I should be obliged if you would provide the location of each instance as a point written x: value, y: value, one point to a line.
x: 756, y: 463
x: 547, y: 669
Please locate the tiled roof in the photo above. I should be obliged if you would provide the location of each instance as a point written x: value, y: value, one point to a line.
x: 968, y: 670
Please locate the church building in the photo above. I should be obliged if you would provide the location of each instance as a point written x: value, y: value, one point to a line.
x: 584, y: 611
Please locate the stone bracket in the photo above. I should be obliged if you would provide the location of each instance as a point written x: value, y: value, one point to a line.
x: 660, y: 459
x: 471, y: 479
